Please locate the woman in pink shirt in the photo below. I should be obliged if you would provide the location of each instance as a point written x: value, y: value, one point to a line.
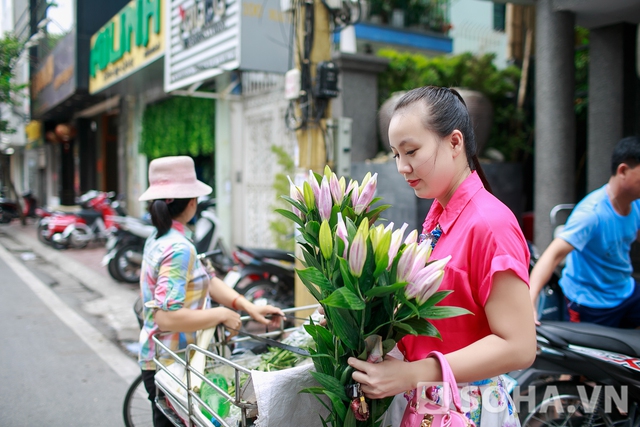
x: 432, y: 138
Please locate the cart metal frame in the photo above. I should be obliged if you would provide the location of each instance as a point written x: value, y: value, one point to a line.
x: 184, y: 356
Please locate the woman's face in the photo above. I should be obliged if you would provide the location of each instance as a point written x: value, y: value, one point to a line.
x: 426, y: 161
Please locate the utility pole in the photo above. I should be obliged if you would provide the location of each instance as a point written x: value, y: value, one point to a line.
x: 311, y: 86
x: 312, y: 46
x: 310, y: 137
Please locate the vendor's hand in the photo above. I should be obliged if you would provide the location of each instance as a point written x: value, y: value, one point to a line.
x: 230, y: 319
x: 378, y: 380
x: 258, y: 313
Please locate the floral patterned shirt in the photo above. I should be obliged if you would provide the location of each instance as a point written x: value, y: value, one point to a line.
x: 171, y: 278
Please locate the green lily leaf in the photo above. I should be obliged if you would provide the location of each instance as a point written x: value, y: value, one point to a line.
x: 436, y: 298
x: 322, y: 362
x: 312, y: 276
x: 345, y: 326
x: 350, y: 420
x: 438, y: 312
x: 403, y: 299
x: 333, y: 220
x: 296, y: 204
x: 312, y: 232
x: 315, y: 390
x: 385, y: 290
x: 347, y: 278
x: 313, y: 289
x: 338, y: 405
x: 422, y: 327
x: 405, y: 328
x: 326, y: 337
x: 381, y: 265
x: 344, y: 298
x: 310, y: 260
x: 290, y: 215
x: 330, y: 383
x: 379, y: 407
x: 352, y: 228
x: 373, y: 214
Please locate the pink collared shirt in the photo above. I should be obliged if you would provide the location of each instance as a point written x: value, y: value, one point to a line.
x: 483, y: 237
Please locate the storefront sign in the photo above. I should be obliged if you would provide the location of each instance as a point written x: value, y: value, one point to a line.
x: 207, y: 37
x: 55, y: 80
x: 129, y: 41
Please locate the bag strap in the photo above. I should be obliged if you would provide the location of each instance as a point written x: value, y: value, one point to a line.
x: 447, y: 377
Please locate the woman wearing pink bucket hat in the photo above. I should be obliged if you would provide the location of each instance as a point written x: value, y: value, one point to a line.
x: 174, y: 284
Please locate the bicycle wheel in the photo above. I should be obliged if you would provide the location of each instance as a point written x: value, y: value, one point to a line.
x: 137, y: 407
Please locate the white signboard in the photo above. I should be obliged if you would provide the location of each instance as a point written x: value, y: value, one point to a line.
x: 207, y: 37
x: 203, y: 40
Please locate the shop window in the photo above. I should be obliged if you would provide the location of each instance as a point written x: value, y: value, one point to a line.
x: 499, y: 16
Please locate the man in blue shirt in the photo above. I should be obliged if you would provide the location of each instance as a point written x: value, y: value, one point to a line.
x: 596, y: 242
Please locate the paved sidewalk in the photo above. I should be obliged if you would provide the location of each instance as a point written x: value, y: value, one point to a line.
x: 85, y: 265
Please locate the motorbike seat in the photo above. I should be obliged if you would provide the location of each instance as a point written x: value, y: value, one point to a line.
x: 624, y: 341
x: 269, y: 253
x: 89, y: 215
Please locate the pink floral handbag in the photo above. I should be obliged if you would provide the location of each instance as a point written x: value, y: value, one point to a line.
x: 427, y: 413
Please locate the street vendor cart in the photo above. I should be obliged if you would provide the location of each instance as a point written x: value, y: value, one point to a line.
x: 221, y: 382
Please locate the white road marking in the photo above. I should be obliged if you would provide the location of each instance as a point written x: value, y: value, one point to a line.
x: 123, y: 365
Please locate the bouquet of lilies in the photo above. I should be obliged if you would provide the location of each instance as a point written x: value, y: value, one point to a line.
x: 375, y: 286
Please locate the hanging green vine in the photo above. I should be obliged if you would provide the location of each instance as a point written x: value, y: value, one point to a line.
x: 281, y: 229
x: 178, y: 126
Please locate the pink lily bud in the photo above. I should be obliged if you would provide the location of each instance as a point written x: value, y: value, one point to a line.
x: 412, y: 290
x: 355, y: 192
x: 375, y: 234
x: 337, y: 191
x: 426, y: 244
x: 405, y: 263
x: 365, y: 180
x: 426, y: 282
x: 380, y: 241
x: 309, y: 197
x: 432, y: 284
x: 324, y: 200
x: 396, y: 241
x: 341, y: 232
x: 313, y: 182
x: 422, y: 256
x: 296, y: 194
x: 326, y: 242
x: 366, y: 194
x: 327, y: 171
x: 411, y: 237
x: 358, y: 251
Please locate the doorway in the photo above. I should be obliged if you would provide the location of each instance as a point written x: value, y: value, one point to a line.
x: 110, y: 152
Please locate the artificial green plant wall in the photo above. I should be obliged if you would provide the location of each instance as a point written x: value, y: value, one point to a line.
x: 178, y: 126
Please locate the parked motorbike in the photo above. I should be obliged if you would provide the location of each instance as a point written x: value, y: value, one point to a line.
x: 267, y: 275
x: 263, y: 276
x: 92, y: 223
x: 124, y: 248
x: 584, y: 375
x: 10, y: 209
x: 208, y: 239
